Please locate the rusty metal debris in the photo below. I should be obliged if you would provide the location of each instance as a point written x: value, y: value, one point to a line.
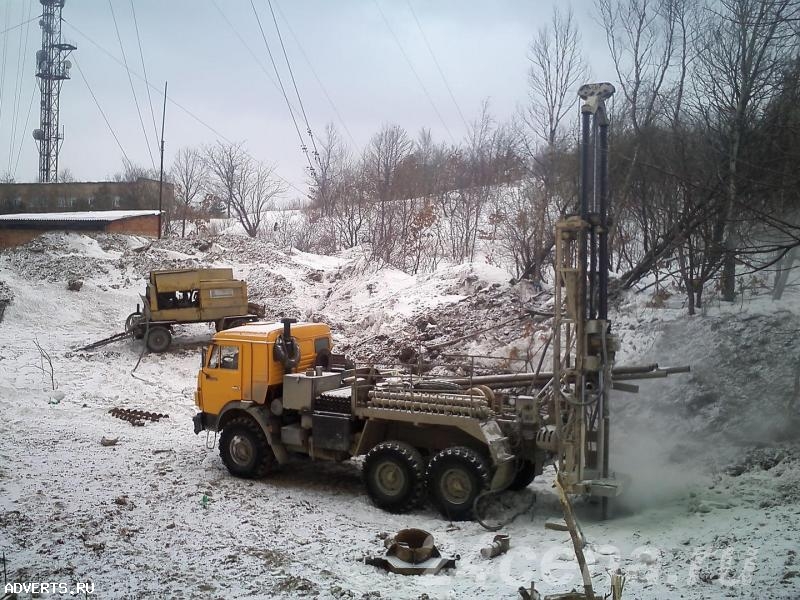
x: 105, y: 341
x: 500, y: 545
x: 136, y: 417
x: 412, y: 552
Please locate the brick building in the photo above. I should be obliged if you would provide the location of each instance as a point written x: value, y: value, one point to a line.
x: 20, y: 228
x: 141, y: 194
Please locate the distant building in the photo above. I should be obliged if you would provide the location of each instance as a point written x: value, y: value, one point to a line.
x: 20, y: 228
x: 141, y: 194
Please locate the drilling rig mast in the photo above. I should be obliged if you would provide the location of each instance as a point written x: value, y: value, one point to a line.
x: 583, y: 347
x: 52, y: 68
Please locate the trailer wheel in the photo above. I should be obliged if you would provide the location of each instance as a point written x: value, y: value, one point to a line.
x: 224, y: 324
x: 158, y: 339
x: 394, y: 474
x: 133, y: 324
x: 244, y: 449
x: 455, y: 478
x: 526, y: 473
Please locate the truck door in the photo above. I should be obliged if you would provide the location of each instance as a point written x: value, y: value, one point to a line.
x: 223, y: 373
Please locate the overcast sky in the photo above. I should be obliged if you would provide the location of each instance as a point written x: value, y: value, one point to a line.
x: 480, y: 45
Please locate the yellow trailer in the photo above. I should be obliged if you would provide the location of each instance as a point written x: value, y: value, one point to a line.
x: 174, y: 297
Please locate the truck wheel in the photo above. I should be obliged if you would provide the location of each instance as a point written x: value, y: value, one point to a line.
x: 455, y: 478
x: 244, y: 449
x: 158, y: 339
x: 394, y: 473
x: 525, y: 475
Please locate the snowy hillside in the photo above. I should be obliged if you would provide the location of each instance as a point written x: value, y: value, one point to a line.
x: 713, y: 511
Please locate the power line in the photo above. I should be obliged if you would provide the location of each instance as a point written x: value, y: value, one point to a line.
x: 18, y: 25
x: 438, y: 66
x: 133, y: 89
x: 18, y: 84
x: 414, y: 71
x: 246, y: 45
x: 144, y: 70
x: 314, y: 72
x: 22, y: 138
x: 3, y: 66
x: 294, y: 83
x: 172, y: 100
x: 100, y: 108
x: 283, y: 90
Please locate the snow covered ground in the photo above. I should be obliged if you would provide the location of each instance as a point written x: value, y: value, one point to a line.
x: 714, y: 509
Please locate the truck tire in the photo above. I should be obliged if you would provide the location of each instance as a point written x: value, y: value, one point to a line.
x: 394, y: 474
x: 158, y: 339
x: 526, y: 473
x: 456, y: 476
x: 244, y: 449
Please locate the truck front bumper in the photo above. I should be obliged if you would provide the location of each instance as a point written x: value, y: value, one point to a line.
x: 205, y: 422
x: 199, y: 422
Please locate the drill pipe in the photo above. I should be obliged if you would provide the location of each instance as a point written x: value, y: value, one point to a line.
x: 619, y: 374
x: 432, y: 403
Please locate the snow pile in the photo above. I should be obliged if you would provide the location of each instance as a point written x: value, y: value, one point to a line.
x: 714, y: 509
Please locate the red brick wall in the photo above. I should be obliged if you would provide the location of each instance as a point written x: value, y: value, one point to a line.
x: 147, y: 225
x: 9, y: 238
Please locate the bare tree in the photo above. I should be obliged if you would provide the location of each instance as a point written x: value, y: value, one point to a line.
x: 327, y: 177
x: 133, y: 172
x: 353, y: 208
x: 747, y: 47
x: 382, y: 160
x: 225, y: 162
x: 254, y: 191
x: 557, y: 69
x: 66, y: 176
x: 190, y: 175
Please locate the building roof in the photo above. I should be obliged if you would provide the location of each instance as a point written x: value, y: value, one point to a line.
x: 62, y: 183
x: 90, y: 215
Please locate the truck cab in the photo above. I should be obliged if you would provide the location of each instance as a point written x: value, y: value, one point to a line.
x: 245, y: 366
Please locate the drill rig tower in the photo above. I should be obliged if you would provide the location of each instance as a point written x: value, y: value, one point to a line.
x: 583, y: 346
x: 52, y: 68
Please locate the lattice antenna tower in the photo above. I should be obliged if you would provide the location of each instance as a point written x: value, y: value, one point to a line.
x: 52, y: 68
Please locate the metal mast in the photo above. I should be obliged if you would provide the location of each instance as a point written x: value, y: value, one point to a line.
x: 52, y: 69
x: 583, y: 346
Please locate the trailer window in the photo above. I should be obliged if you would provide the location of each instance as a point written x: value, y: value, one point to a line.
x: 221, y: 293
x: 321, y: 344
x: 224, y: 357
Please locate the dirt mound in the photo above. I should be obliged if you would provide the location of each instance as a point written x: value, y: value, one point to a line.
x: 245, y: 250
x: 743, y: 376
x: 6, y: 298
x: 274, y: 292
x: 764, y: 459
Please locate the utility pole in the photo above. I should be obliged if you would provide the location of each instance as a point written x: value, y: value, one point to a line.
x: 161, y: 173
x: 52, y: 68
